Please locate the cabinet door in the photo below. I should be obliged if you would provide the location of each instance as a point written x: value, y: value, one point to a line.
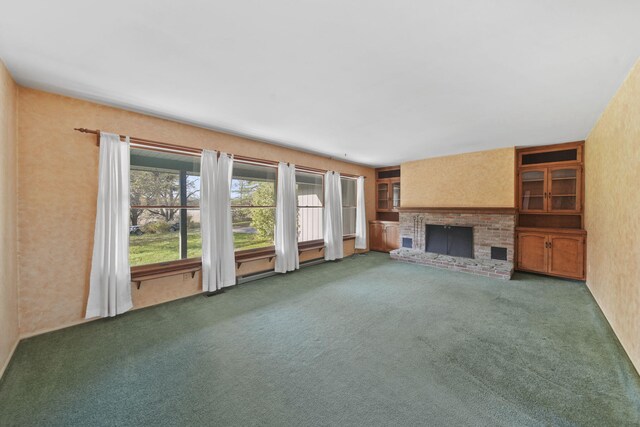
x: 395, y: 195
x: 533, y: 190
x: 566, y: 255
x: 382, y: 195
x: 564, y: 188
x: 376, y: 237
x: 532, y: 252
x: 392, y: 237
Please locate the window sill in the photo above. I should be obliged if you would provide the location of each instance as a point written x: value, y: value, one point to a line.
x: 141, y: 273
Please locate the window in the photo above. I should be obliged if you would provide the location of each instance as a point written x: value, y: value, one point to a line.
x: 349, y: 190
x: 253, y: 205
x: 310, y: 194
x: 165, y: 207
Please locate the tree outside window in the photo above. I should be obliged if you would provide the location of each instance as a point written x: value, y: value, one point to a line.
x: 165, y: 207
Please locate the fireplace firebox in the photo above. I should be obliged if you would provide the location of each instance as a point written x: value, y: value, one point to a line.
x: 449, y: 240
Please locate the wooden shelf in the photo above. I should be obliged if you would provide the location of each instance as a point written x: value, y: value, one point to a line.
x: 140, y: 276
x: 468, y: 210
x: 579, y: 231
x: 254, y: 258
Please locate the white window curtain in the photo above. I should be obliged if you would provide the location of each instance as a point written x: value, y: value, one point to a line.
x: 361, y: 216
x: 110, y: 281
x: 218, y: 262
x: 332, y: 216
x: 287, y: 258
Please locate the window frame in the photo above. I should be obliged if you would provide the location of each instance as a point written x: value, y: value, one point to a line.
x: 311, y: 243
x: 349, y: 235
x: 247, y: 253
x: 183, y: 207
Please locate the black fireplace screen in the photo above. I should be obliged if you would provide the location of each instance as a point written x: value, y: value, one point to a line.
x: 450, y: 240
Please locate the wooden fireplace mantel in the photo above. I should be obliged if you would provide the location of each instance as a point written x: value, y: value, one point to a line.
x: 461, y: 210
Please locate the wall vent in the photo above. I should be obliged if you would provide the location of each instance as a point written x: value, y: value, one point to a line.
x: 498, y: 253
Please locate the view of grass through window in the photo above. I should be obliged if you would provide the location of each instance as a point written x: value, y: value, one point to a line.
x: 253, y: 201
x: 165, y: 207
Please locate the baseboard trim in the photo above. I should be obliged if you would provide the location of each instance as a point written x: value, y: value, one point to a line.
x: 5, y: 365
x: 270, y: 273
x: 57, y: 328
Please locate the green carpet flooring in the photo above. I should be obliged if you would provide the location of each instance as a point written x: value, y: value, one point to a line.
x: 365, y: 341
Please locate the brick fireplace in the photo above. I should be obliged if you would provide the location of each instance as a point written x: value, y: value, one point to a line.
x: 493, y: 238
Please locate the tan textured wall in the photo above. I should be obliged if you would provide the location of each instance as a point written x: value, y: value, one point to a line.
x: 480, y: 179
x: 612, y: 213
x: 58, y: 187
x: 8, y: 224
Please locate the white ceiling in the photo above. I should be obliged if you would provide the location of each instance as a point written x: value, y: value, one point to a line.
x: 370, y: 81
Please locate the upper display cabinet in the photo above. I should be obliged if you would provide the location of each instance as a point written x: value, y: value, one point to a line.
x: 551, y: 181
x: 551, y: 189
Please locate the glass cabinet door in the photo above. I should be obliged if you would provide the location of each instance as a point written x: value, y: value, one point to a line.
x: 563, y: 189
x: 383, y: 196
x: 532, y: 191
x: 395, y: 195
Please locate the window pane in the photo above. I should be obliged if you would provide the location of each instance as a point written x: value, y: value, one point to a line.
x: 310, y: 193
x: 152, y: 188
x: 194, y: 235
x: 253, y: 227
x: 253, y: 185
x: 154, y: 236
x: 309, y: 189
x: 309, y: 224
x: 348, y: 191
x: 155, y: 177
x: 348, y: 220
x: 193, y: 189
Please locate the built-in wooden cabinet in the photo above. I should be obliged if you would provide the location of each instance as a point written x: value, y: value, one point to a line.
x: 384, y: 236
x: 554, y: 189
x: 384, y: 232
x: 549, y: 195
x: 388, y: 194
x: 556, y: 252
